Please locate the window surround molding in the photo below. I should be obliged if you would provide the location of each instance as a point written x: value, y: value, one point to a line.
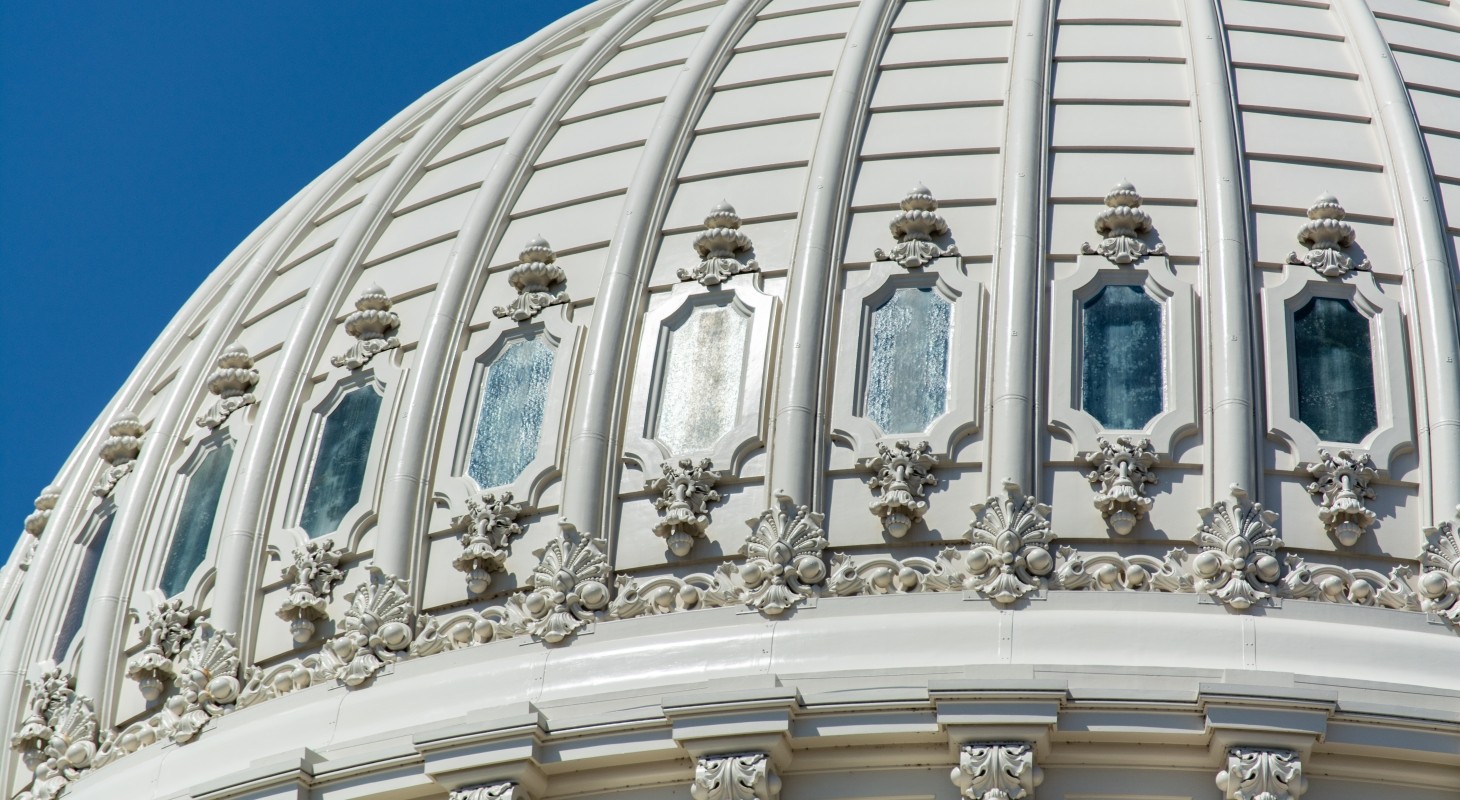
x: 856, y: 435
x: 201, y: 581
x: 1180, y: 415
x: 1394, y: 433
x: 62, y: 584
x: 731, y: 452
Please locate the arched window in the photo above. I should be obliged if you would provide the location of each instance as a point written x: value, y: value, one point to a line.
x: 81, y: 590
x: 509, y: 418
x: 1335, y: 366
x: 704, y: 376
x: 195, y: 521
x: 339, y: 461
x: 1122, y: 370
x: 907, y: 372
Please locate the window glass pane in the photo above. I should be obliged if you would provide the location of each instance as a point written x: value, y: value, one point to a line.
x: 509, y: 424
x: 703, y: 375
x: 81, y: 593
x: 195, y: 520
x: 1122, y: 372
x: 339, y: 462
x: 1335, y: 370
x: 907, y: 377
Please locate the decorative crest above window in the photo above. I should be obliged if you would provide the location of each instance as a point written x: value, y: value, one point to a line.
x: 119, y: 451
x: 915, y: 229
x: 232, y: 380
x: 1439, y: 579
x: 57, y: 736
x: 1342, y: 484
x: 996, y: 771
x: 166, y: 633
x: 903, y: 471
x: 35, y: 522
x: 745, y: 776
x: 1325, y: 234
x: 1239, y: 562
x: 533, y: 279
x: 1122, y: 223
x: 1010, y: 557
x: 312, y: 580
x: 487, y: 530
x: 371, y: 323
x: 685, y: 491
x: 1254, y: 773
x: 721, y: 245
x: 1122, y: 470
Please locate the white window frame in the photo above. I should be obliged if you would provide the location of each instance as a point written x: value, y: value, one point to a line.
x: 201, y: 581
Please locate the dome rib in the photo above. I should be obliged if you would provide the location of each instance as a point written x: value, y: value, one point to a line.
x: 486, y: 222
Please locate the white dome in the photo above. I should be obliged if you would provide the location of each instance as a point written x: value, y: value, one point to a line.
x: 430, y: 485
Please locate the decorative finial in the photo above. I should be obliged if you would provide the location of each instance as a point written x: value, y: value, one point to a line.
x: 720, y: 247
x: 35, y: 522
x: 1121, y: 223
x: 119, y: 451
x: 371, y: 323
x: 1325, y: 234
x: 914, y: 229
x: 533, y: 279
x: 232, y: 380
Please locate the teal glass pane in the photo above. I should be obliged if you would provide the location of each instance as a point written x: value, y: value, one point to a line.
x: 509, y: 424
x: 1335, y: 370
x: 704, y: 374
x: 339, y: 462
x: 81, y: 592
x: 1122, y: 369
x: 907, y: 375
x: 195, y: 521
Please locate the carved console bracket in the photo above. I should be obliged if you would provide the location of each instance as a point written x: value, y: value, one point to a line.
x: 902, y: 473
x: 313, y: 577
x: 685, y: 491
x: 1259, y: 774
x: 371, y: 323
x: 57, y: 736
x: 996, y: 771
x: 1439, y: 580
x: 721, y: 247
x: 1325, y: 234
x: 492, y: 791
x: 534, y: 279
x: 487, y: 530
x: 232, y: 381
x: 1122, y: 471
x: 119, y: 450
x: 1122, y: 223
x: 747, y: 776
x: 1010, y: 556
x: 1238, y: 564
x: 915, y: 229
x: 1341, y: 483
x: 167, y: 630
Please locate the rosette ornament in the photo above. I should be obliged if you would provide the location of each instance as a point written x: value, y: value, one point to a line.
x: 371, y: 323
x: 1122, y: 223
x: 487, y: 528
x: 167, y: 630
x: 721, y: 247
x: 1122, y: 470
x: 313, y: 577
x: 685, y: 491
x: 569, y: 587
x: 915, y: 229
x: 1326, y: 235
x: 57, y: 736
x: 1010, y: 556
x: 119, y: 450
x: 902, y: 473
x: 1439, y: 579
x: 534, y: 278
x: 375, y: 631
x: 783, y: 560
x: 232, y: 380
x: 1239, y: 563
x: 1341, y: 482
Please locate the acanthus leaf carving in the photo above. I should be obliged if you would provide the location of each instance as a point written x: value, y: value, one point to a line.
x: 119, y: 450
x: 783, y: 565
x: 506, y: 790
x: 684, y: 493
x: 996, y: 771
x: 1254, y: 773
x: 721, y: 247
x: 232, y: 381
x: 1326, y: 235
x: 1122, y: 471
x: 164, y: 635
x: 57, y: 736
x: 1360, y: 587
x: 35, y: 522
x: 745, y: 776
x: 312, y: 577
x: 1110, y: 572
x: 486, y: 532
x: 374, y: 632
x: 1341, y: 482
x: 372, y: 323
x: 1439, y: 579
x: 915, y: 228
x: 1122, y: 223
x: 902, y: 472
x: 534, y: 278
x: 1238, y: 564
x: 1010, y: 556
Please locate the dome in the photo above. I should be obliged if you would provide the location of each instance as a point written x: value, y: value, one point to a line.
x: 801, y: 398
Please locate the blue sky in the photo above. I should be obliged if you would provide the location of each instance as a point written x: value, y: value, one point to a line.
x: 140, y: 142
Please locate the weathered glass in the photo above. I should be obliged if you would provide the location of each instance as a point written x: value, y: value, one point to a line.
x: 195, y: 520
x: 907, y: 372
x: 1123, y: 364
x: 509, y: 422
x: 339, y: 462
x: 81, y: 591
x: 704, y: 373
x: 1335, y: 370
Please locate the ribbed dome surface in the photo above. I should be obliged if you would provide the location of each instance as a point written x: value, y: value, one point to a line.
x: 520, y: 365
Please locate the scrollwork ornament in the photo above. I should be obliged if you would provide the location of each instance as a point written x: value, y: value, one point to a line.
x: 1122, y: 223
x: 534, y: 278
x: 487, y: 530
x: 722, y: 247
x: 748, y: 776
x: 313, y: 575
x: 232, y: 381
x: 1010, y: 556
x: 372, y: 323
x: 375, y: 631
x: 1360, y: 587
x: 783, y: 565
x: 685, y: 492
x: 506, y: 790
x: 996, y: 771
x: 1326, y: 235
x: 1238, y: 564
x: 1439, y: 579
x: 1341, y: 482
x: 166, y: 632
x: 1254, y: 773
x: 1110, y: 572
x: 915, y: 228
x: 1122, y: 471
x: 119, y: 450
x: 902, y: 472
x: 57, y: 736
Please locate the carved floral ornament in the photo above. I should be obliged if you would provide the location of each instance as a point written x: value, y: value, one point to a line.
x: 1439, y: 580
x: 1122, y: 223
x: 487, y: 530
x: 684, y: 493
x: 57, y: 736
x: 1238, y: 564
x: 721, y: 247
x: 1326, y: 236
x: 996, y: 771
x: 748, y: 776
x: 1122, y: 471
x: 1254, y: 773
x: 166, y: 632
x: 372, y: 323
x: 492, y: 791
x: 1341, y: 482
x: 232, y: 381
x: 119, y: 450
x: 534, y: 278
x: 915, y: 228
x: 312, y: 575
x: 902, y: 472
